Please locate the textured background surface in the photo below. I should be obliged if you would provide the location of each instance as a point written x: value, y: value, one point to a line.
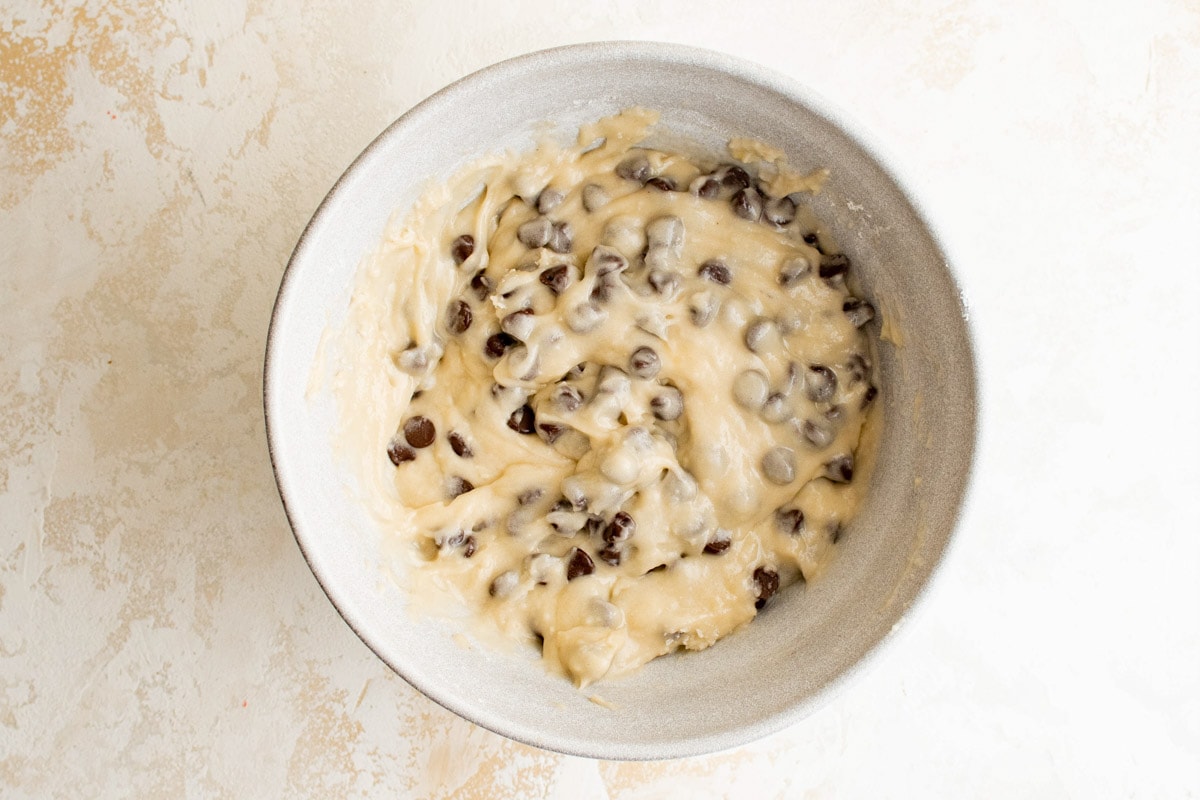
x: 160, y: 634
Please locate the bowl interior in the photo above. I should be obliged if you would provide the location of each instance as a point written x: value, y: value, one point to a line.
x: 775, y: 670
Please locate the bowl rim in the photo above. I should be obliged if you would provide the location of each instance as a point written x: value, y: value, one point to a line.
x: 819, y: 106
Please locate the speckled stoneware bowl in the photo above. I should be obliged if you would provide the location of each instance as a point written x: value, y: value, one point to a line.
x: 807, y: 643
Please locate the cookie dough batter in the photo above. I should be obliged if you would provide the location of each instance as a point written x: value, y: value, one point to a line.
x: 610, y: 396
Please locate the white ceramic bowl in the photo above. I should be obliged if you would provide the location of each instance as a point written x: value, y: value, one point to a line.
x: 805, y: 645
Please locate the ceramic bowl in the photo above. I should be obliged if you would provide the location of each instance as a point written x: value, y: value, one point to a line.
x: 806, y: 644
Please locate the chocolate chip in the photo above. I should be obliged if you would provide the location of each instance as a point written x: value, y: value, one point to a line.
x: 735, y: 178
x: 611, y: 555
x: 518, y: 324
x: 530, y: 496
x: 549, y: 200
x: 503, y: 584
x: 621, y: 528
x: 594, y: 197
x: 750, y: 389
x: 465, y: 541
x: 558, y: 278
x: 462, y: 248
x: 859, y: 312
x: 645, y: 363
x: 715, y: 270
x: 568, y: 398
x: 766, y: 583
x: 780, y: 211
x: 819, y: 436
x: 748, y: 204
x: 662, y: 184
x: 604, y: 259
x: 833, y: 266
x: 663, y: 282
x: 756, y: 334
x: 584, y: 317
x: 398, y: 453
x: 779, y: 465
x: 719, y: 543
x: 482, y: 285
x: 668, y: 405
x: 602, y: 290
x: 840, y: 469
x: 811, y: 240
x: 634, y: 168
x: 523, y: 420
x: 575, y: 371
x: 775, y: 408
x: 561, y: 237
x: 459, y: 486
x: 459, y: 445
x: 709, y: 189
x: 458, y: 317
x: 794, y: 270
x: 497, y: 343
x: 469, y: 544
x: 419, y: 431
x: 869, y: 396
x: 857, y: 367
x: 550, y: 431
x: 820, y: 383
x: 790, y: 520
x: 580, y: 564
x: 535, y: 233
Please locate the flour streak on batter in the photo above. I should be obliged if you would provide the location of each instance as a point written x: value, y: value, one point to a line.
x: 610, y: 397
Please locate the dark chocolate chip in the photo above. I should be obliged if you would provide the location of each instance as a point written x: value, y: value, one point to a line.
x: 529, y: 496
x: 549, y: 199
x: 558, y: 278
x: 398, y: 452
x: 621, y: 528
x: 462, y: 248
x: 611, y: 555
x: 580, y: 564
x: 644, y: 362
x: 766, y: 581
x: 522, y: 420
x: 662, y: 184
x: 735, y: 178
x: 869, y: 396
x: 832, y: 266
x: 469, y: 545
x: 535, y: 233
x: 780, y: 211
x: 460, y: 486
x: 551, y: 431
x: 715, y: 270
x: 820, y: 383
x: 458, y: 317
x: 794, y: 270
x: 709, y: 189
x: 790, y: 520
x: 482, y: 285
x: 858, y: 367
x: 668, y: 405
x: 859, y: 312
x: 811, y: 240
x: 840, y: 469
x: 568, y: 398
x: 497, y: 343
x: 419, y: 431
x: 634, y: 168
x: 719, y: 543
x: 459, y: 445
x: 748, y: 204
x: 561, y: 238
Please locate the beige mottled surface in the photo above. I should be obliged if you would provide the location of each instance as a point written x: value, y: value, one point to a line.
x: 160, y: 634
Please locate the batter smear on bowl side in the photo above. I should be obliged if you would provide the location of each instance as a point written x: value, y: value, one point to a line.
x: 610, y: 396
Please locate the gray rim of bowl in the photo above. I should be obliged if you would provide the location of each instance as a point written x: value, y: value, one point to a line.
x: 751, y: 72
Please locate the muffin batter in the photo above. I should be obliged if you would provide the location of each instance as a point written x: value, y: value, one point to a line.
x: 611, y: 396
